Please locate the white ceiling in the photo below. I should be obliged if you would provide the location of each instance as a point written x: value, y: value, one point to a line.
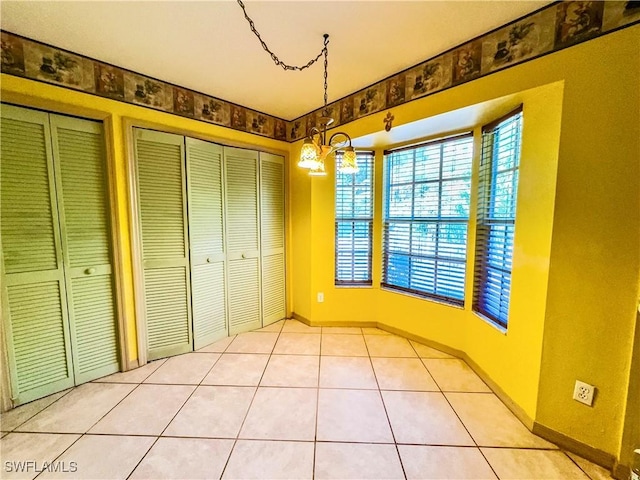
x: 207, y: 45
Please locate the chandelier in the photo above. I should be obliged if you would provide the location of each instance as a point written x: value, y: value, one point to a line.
x: 316, y: 148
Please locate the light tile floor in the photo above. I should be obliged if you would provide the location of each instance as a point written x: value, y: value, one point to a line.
x: 287, y: 401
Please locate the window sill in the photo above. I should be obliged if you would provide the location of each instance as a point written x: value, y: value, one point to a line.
x: 491, y: 323
x: 353, y: 286
x: 421, y: 297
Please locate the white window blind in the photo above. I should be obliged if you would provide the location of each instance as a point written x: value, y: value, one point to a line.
x: 426, y: 215
x: 354, y: 222
x: 498, y: 188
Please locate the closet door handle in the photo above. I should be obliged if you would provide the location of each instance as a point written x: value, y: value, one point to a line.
x: 243, y: 256
x: 208, y: 259
x: 90, y: 271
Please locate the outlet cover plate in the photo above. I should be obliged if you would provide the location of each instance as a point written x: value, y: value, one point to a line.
x: 583, y: 393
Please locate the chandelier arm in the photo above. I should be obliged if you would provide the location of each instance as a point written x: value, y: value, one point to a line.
x: 279, y: 62
x: 338, y: 144
x: 314, y: 131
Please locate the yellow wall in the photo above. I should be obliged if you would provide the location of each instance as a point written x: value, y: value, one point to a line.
x: 577, y: 231
x: 576, y: 259
x: 520, y: 348
x: 631, y: 429
x: 593, y: 282
x: 352, y: 304
x: 453, y: 326
x: 300, y: 259
x: 57, y: 99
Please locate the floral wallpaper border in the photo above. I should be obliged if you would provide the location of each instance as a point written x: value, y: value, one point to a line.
x: 549, y: 29
x: 37, y: 61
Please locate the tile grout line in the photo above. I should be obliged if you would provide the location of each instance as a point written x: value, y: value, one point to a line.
x: 442, y: 392
x: 393, y: 435
x: 303, y: 387
x: 316, y: 441
x: 498, y: 447
x: 69, y: 390
x: 82, y: 435
x: 455, y: 412
x: 470, y: 436
x: 460, y: 419
x: 577, y: 465
x: 425, y: 366
x: 74, y: 388
x: 315, y: 437
x: 255, y: 393
x: 302, y: 441
x: 175, y: 414
x: 179, y: 409
x: 161, y: 362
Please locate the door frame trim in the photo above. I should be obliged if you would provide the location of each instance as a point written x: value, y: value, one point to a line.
x: 135, y: 234
x: 116, y: 243
x: 5, y: 382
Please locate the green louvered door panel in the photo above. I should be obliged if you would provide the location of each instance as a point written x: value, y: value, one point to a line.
x: 272, y: 237
x: 165, y: 249
x: 79, y: 157
x: 242, y: 239
x: 206, y: 239
x: 34, y: 308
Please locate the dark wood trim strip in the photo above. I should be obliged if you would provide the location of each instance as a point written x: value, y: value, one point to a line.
x: 621, y: 472
x: 300, y: 318
x: 417, y: 338
x: 516, y: 409
x: 337, y: 323
x: 599, y: 457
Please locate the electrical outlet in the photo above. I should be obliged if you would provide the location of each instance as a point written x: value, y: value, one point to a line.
x: 583, y: 393
x: 320, y: 297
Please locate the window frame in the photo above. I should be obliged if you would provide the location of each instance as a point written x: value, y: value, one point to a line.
x: 487, y: 221
x: 437, y: 222
x: 354, y: 220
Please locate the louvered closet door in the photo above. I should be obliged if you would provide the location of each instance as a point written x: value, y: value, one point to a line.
x: 165, y: 251
x: 79, y: 157
x: 272, y: 237
x: 206, y: 239
x: 34, y: 309
x: 242, y: 239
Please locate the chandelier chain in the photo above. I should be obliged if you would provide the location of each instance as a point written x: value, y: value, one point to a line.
x: 326, y: 65
x: 279, y: 62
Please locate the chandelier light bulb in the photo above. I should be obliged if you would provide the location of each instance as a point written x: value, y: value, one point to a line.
x: 319, y: 171
x: 309, y: 155
x: 349, y: 163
